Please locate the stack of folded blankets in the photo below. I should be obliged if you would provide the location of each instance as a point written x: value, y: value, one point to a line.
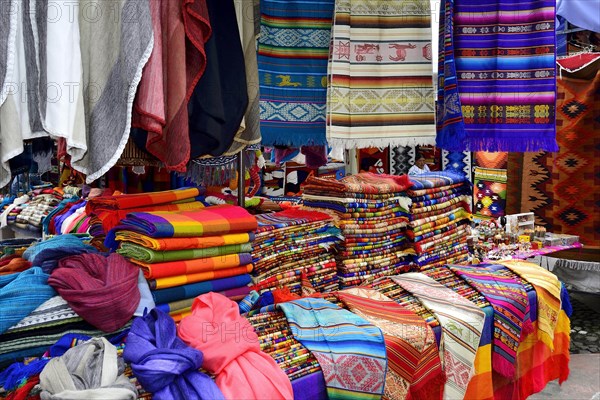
x: 439, y: 217
x: 187, y: 253
x: 293, y: 244
x: 372, y: 213
x: 277, y: 340
x: 107, y: 211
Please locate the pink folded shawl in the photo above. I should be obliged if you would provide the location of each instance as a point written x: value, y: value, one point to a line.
x: 232, y: 351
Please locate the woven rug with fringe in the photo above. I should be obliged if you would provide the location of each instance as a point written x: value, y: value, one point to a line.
x: 381, y: 89
x: 497, y: 81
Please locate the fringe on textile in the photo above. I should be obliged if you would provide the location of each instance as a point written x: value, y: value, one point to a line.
x: 381, y: 142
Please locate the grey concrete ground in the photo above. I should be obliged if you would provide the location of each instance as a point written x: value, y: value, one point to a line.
x: 583, y: 382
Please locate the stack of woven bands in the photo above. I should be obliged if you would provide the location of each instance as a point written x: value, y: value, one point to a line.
x: 372, y: 212
x: 277, y: 340
x: 291, y: 244
x: 187, y: 253
x: 439, y: 215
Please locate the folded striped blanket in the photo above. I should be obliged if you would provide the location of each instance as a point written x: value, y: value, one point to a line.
x: 195, y: 289
x: 548, y: 290
x: 414, y: 365
x: 341, y: 341
x: 150, y: 256
x: 128, y: 201
x: 436, y: 179
x: 190, y: 267
x: 111, y: 218
x: 191, y: 243
x: 291, y: 217
x: 511, y: 313
x: 179, y: 280
x: 210, y: 221
x: 364, y: 182
x: 419, y: 194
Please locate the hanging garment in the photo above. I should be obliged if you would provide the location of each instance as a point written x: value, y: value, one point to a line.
x: 380, y: 77
x: 462, y: 322
x: 341, y: 341
x: 90, y: 370
x: 249, y: 131
x: 163, y: 364
x: 582, y: 13
x: 511, y: 313
x: 220, y: 99
x: 293, y: 48
x: 15, y: 125
x: 414, y: 365
x: 496, y: 79
x: 115, y: 50
x: 178, y: 60
x: 61, y: 99
x: 231, y: 350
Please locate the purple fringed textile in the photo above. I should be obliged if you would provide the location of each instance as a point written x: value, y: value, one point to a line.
x: 163, y: 364
x: 497, y: 80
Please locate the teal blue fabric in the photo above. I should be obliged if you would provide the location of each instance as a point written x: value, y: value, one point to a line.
x: 22, y: 293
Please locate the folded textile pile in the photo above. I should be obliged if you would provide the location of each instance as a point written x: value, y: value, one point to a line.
x: 33, y: 334
x: 107, y: 211
x: 276, y: 339
x: 68, y: 216
x: 439, y: 213
x: 291, y: 243
x: 372, y: 212
x: 187, y: 253
x: 48, y: 253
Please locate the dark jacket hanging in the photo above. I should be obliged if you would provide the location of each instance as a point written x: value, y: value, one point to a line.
x: 220, y: 99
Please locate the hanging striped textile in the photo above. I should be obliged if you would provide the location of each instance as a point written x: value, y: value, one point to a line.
x: 380, y: 76
x: 293, y: 48
x: 496, y: 80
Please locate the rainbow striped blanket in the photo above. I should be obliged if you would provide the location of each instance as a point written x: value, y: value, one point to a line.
x: 511, y: 312
x: 414, y: 365
x: 209, y: 221
x: 341, y: 341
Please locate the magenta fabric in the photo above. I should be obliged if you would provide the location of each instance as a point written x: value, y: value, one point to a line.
x: 102, y: 290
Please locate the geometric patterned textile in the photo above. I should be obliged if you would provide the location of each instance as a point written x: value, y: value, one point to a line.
x: 489, y: 193
x: 494, y: 92
x: 401, y: 159
x: 293, y: 48
x: 486, y: 159
x: 350, y: 350
x: 458, y: 161
x: 563, y: 188
x: 380, y: 88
